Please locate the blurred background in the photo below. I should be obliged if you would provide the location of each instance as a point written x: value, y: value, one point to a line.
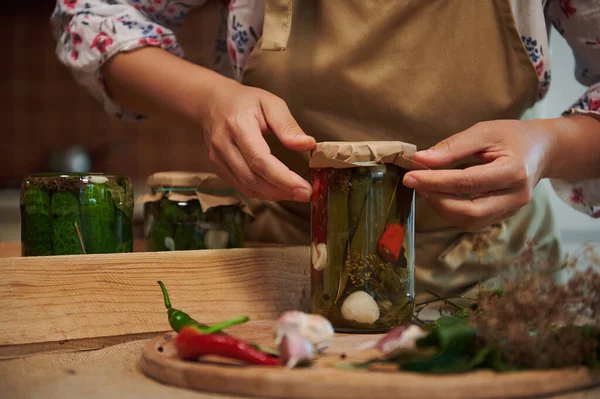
x: 48, y: 122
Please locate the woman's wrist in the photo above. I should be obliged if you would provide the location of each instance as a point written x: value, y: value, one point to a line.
x: 153, y: 82
x: 573, y: 143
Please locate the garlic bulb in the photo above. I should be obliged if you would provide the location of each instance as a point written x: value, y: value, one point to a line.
x: 317, y: 329
x: 216, y: 239
x: 319, y: 256
x: 361, y: 308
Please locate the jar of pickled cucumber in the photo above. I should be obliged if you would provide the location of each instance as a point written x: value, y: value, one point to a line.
x: 362, y: 250
x: 76, y: 213
x: 191, y: 211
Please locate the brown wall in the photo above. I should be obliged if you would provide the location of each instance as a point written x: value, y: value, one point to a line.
x: 43, y: 108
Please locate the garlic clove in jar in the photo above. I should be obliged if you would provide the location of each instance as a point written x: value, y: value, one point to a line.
x: 360, y: 307
x: 97, y: 179
x: 170, y: 243
x: 319, y: 256
x: 216, y: 239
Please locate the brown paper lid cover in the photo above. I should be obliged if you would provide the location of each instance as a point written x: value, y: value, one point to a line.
x: 339, y: 154
x: 205, y: 181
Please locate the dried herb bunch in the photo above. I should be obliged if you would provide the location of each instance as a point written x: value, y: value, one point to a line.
x: 539, y: 323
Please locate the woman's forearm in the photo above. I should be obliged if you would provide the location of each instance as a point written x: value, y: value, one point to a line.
x: 153, y: 82
x: 575, y: 151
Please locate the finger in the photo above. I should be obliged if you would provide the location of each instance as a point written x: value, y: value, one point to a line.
x: 473, y: 214
x: 258, y: 157
x: 246, y: 178
x: 285, y: 127
x: 454, y: 148
x: 497, y: 175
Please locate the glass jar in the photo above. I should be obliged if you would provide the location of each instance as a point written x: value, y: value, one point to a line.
x: 191, y: 211
x: 76, y: 213
x: 362, y: 250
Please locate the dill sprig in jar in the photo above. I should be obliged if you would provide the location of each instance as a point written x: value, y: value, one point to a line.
x: 191, y: 211
x: 362, y: 235
x: 76, y: 213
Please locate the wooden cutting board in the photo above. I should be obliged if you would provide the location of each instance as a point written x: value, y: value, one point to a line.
x: 215, y: 375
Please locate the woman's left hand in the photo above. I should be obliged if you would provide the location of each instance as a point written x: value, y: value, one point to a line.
x: 515, y: 157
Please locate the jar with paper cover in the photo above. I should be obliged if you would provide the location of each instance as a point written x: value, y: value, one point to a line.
x: 362, y: 250
x: 191, y: 211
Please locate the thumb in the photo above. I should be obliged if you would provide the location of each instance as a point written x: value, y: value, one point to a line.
x: 454, y: 148
x: 285, y: 127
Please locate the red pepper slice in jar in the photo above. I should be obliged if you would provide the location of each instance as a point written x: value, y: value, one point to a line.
x: 319, y: 205
x: 390, y: 244
x: 191, y: 345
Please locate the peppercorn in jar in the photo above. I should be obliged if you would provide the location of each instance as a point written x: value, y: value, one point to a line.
x: 362, y: 250
x: 190, y: 211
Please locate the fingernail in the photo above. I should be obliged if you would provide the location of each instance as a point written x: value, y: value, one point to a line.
x: 410, y: 182
x: 425, y: 153
x: 301, y: 194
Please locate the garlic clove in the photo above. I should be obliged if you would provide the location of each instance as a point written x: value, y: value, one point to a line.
x: 316, y: 328
x: 170, y: 243
x: 319, y: 331
x: 295, y: 349
x: 292, y: 321
x: 360, y: 307
x: 399, y: 340
x: 97, y: 179
x: 318, y: 256
x: 216, y: 239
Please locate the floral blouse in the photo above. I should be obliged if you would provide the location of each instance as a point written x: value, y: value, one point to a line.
x: 89, y: 32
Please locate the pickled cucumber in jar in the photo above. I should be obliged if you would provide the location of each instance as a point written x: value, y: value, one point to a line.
x: 362, y: 226
x: 192, y: 211
x: 69, y: 214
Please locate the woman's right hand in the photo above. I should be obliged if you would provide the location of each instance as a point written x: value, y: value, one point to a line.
x: 234, y: 120
x: 233, y: 117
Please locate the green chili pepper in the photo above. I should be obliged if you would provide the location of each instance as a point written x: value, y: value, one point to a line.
x: 179, y: 319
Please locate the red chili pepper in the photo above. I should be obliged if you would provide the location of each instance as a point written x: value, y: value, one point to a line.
x: 319, y: 206
x: 319, y: 215
x: 390, y: 244
x: 191, y: 345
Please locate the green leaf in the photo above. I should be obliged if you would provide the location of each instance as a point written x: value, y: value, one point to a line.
x: 451, y: 333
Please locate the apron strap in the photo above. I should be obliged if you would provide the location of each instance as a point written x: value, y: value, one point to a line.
x: 277, y: 25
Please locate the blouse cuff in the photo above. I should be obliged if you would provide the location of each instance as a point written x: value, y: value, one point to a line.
x: 588, y: 104
x: 88, y: 41
x: 582, y: 195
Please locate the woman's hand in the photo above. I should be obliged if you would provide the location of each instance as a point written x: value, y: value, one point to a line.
x: 233, y: 117
x: 515, y: 157
x: 234, y: 122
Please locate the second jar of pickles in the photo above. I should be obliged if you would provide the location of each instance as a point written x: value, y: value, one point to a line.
x: 189, y: 211
x: 362, y: 250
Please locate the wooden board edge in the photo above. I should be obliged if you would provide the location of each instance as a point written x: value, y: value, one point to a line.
x: 260, y: 382
x: 9, y: 352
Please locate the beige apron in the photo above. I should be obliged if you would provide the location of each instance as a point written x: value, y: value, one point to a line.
x: 410, y: 70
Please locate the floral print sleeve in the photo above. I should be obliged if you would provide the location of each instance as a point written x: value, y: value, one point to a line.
x: 89, y: 32
x: 578, y: 21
